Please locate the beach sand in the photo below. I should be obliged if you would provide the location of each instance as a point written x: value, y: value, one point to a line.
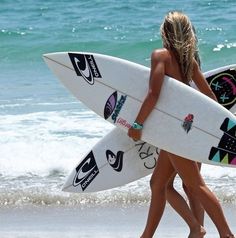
x: 96, y: 221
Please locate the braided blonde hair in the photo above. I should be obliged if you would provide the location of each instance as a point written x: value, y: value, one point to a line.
x: 178, y: 36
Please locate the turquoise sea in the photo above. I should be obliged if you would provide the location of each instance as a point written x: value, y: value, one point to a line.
x: 44, y: 130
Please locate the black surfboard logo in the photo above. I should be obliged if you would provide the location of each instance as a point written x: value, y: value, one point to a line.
x: 115, y: 161
x: 85, y: 66
x: 225, y: 152
x: 86, y: 171
x: 223, y: 85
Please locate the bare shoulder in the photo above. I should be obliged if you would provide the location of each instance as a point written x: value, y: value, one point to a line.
x: 160, y: 55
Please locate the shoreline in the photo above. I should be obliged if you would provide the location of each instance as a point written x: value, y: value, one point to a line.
x: 125, y: 221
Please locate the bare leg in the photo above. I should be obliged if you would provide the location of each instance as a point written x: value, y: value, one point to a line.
x: 182, y: 208
x: 159, y: 180
x: 196, y: 207
x: 189, y: 173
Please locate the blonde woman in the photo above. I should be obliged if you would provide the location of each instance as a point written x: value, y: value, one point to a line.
x: 193, y: 215
x: 176, y: 60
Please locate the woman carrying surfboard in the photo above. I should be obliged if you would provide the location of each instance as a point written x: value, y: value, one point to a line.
x: 193, y: 215
x: 176, y: 60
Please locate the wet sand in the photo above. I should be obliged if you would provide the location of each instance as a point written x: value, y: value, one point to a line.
x: 97, y: 221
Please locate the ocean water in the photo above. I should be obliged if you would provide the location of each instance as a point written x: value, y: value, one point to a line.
x: 44, y: 130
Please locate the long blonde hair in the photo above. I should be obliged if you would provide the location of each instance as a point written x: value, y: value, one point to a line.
x: 179, y: 36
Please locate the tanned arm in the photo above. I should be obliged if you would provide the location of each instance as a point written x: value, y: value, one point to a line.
x: 201, y: 82
x: 157, y: 75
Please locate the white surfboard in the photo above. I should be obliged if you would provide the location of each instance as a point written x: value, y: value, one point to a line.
x: 117, y: 160
x: 97, y: 71
x: 114, y: 161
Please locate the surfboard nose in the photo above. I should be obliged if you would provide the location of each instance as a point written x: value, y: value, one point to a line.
x: 60, y: 58
x: 49, y: 58
x: 49, y: 55
x: 66, y: 187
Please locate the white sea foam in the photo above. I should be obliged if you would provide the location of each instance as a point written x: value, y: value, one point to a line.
x: 226, y: 45
x: 38, y: 150
x: 39, y: 142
